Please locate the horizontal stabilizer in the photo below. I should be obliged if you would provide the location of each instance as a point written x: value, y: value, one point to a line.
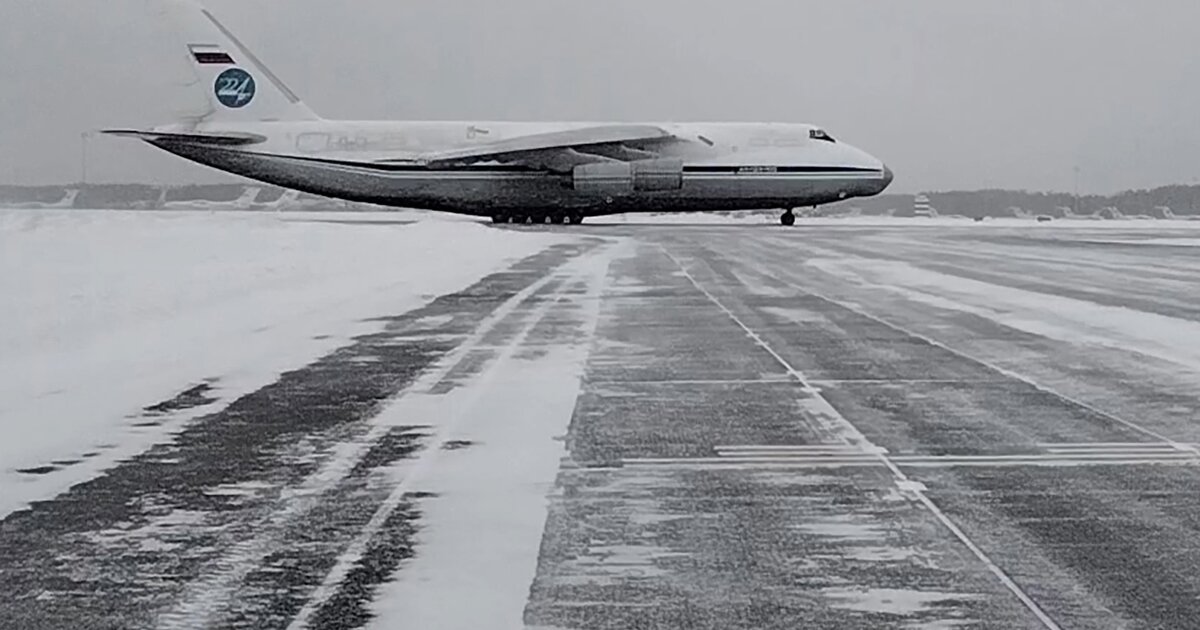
x: 219, y: 139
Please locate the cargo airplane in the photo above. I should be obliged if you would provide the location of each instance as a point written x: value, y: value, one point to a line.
x: 248, y: 122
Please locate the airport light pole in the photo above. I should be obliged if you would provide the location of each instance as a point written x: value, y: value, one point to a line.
x: 1076, y: 169
x: 83, y: 147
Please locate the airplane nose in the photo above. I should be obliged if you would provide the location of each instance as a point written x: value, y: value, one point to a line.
x: 888, y: 176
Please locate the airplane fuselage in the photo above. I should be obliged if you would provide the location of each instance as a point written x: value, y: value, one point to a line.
x: 734, y: 166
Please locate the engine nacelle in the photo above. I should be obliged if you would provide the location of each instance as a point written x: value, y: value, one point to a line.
x: 626, y: 178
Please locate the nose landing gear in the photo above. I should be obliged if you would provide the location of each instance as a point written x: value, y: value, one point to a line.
x: 787, y: 218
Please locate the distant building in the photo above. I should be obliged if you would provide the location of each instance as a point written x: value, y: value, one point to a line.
x: 1162, y: 212
x: 922, y: 207
x: 1111, y: 212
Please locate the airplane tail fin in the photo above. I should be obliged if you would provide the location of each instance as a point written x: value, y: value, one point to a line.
x: 237, y: 86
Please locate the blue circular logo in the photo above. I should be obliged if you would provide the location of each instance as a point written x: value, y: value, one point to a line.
x: 235, y: 88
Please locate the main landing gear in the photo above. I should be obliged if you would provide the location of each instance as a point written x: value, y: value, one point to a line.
x: 522, y: 219
x: 787, y: 218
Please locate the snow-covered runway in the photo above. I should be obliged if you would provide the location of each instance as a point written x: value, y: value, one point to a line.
x: 105, y: 314
x: 268, y: 421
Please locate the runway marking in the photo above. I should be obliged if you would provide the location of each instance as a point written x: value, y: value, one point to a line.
x: 357, y: 549
x: 1052, y: 446
x: 900, y: 381
x: 1010, y: 374
x: 748, y: 381
x: 206, y: 598
x: 852, y: 434
x: 910, y: 461
x: 801, y: 448
x: 843, y: 456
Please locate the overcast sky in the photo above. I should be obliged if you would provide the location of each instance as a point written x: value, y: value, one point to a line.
x: 951, y: 93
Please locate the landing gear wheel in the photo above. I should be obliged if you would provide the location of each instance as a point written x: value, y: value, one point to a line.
x: 557, y: 219
x: 787, y: 218
x: 575, y: 219
x: 517, y: 219
x: 499, y: 218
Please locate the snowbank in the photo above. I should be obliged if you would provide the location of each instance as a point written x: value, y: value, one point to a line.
x: 104, y: 313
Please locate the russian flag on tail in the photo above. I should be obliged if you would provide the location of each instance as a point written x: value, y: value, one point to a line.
x: 209, y: 54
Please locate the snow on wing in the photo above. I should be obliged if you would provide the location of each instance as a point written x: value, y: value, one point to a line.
x: 550, y: 145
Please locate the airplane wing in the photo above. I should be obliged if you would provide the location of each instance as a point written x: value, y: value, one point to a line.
x: 557, y: 150
x: 222, y: 139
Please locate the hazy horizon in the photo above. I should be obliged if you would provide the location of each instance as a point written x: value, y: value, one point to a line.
x: 952, y: 95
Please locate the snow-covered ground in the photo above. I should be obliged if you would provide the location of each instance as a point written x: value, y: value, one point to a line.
x: 1171, y: 339
x: 104, y: 313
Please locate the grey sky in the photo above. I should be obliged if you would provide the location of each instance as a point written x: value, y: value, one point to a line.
x: 951, y: 93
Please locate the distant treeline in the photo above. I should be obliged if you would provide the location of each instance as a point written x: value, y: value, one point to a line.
x: 1181, y: 200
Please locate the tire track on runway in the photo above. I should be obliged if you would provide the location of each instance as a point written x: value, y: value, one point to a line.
x: 334, y: 597
x: 208, y: 599
x: 855, y: 437
x: 121, y: 548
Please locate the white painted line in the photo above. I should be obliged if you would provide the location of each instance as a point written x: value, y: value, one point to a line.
x: 1130, y: 460
x: 811, y: 448
x: 747, y: 381
x: 865, y: 461
x: 724, y: 461
x: 899, y: 381
x: 1164, y: 448
x: 904, y: 459
x: 848, y: 431
x: 1008, y: 582
x: 817, y: 456
x: 1052, y: 445
x: 901, y: 477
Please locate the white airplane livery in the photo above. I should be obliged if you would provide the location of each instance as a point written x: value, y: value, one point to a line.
x: 248, y: 122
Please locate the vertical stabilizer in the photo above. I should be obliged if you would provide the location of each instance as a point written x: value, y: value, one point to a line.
x: 236, y: 85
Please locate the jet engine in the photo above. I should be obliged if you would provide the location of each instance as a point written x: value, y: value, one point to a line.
x: 627, y: 178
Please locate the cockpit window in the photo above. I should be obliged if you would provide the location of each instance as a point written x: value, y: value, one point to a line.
x: 819, y: 134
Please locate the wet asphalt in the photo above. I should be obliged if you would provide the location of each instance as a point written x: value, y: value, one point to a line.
x: 762, y: 439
